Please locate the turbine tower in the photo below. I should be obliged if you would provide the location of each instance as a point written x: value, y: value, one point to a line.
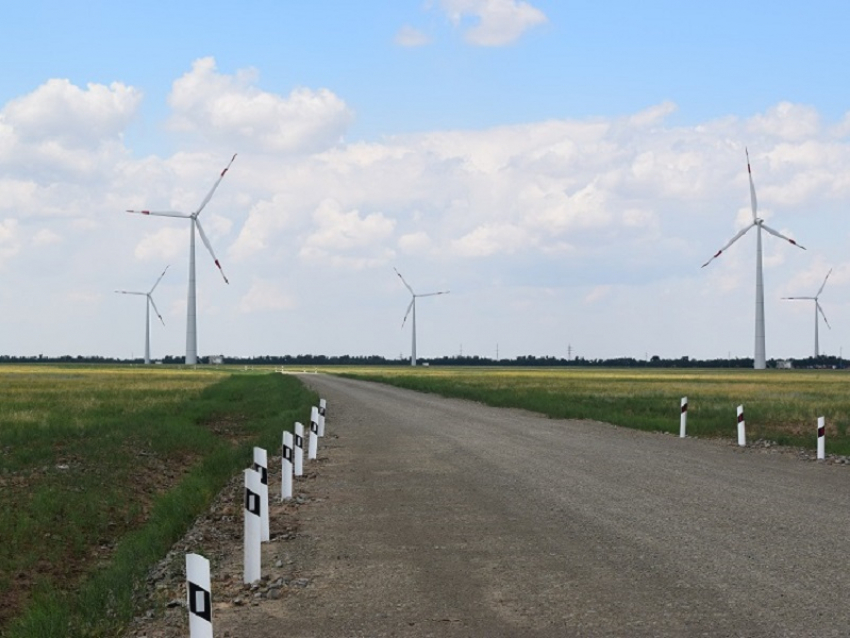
x: 759, y: 360
x: 412, y: 307
x: 191, y: 312
x: 817, y: 310
x: 148, y: 303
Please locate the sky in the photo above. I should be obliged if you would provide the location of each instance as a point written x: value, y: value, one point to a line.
x: 562, y: 167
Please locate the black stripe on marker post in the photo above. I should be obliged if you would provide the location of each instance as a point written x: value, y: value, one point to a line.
x: 299, y: 441
x: 264, y: 473
x: 252, y: 502
x: 287, y: 453
x: 200, y: 605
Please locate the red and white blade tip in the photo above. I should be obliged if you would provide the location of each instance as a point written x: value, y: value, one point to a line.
x: 221, y: 270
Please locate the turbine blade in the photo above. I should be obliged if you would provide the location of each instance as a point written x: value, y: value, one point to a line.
x: 804, y: 298
x: 753, y: 200
x: 130, y: 292
x: 738, y: 236
x: 822, y: 314
x: 155, y: 309
x: 158, y: 280
x: 160, y: 213
x: 406, y: 285
x: 431, y: 294
x: 409, y: 308
x: 781, y: 236
x: 209, y: 247
x: 823, y: 285
x: 207, y: 199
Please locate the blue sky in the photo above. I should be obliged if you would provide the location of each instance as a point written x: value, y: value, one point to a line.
x: 563, y: 167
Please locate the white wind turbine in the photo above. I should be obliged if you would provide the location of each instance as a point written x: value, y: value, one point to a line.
x: 191, y: 313
x: 148, y: 303
x: 759, y: 360
x: 817, y: 309
x: 412, y: 307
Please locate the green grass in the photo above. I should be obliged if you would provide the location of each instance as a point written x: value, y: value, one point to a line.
x: 780, y: 405
x: 103, y: 469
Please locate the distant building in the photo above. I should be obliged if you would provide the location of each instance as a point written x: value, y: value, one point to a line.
x: 784, y: 364
x: 216, y: 359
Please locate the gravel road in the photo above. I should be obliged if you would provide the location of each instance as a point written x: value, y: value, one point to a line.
x: 440, y: 517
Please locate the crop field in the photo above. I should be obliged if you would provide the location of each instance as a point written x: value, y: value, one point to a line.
x: 102, y: 469
x: 780, y: 405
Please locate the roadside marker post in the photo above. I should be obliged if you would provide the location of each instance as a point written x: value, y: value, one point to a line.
x: 298, y: 462
x: 821, y: 438
x: 683, y: 420
x: 742, y: 434
x: 199, y: 596
x: 253, y: 524
x: 313, y: 443
x: 286, y: 467
x: 323, y: 409
x: 261, y: 465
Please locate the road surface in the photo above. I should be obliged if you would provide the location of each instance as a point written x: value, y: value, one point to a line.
x: 441, y: 517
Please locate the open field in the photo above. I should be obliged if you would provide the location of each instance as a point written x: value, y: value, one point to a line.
x: 103, y: 468
x: 780, y: 405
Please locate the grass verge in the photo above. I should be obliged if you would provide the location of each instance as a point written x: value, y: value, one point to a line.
x: 107, y: 469
x: 780, y: 405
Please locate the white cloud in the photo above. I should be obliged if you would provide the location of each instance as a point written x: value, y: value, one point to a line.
x: 265, y: 295
x: 414, y: 243
x: 340, y: 229
x: 787, y: 121
x: 168, y: 243
x: 46, y: 237
x: 61, y: 113
x: 232, y: 110
x: 409, y: 37
x: 9, y: 240
x: 499, y: 22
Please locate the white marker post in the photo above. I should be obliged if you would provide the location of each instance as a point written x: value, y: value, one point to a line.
x: 199, y: 596
x: 253, y: 525
x: 323, y: 409
x: 742, y: 434
x: 261, y: 465
x: 313, y: 444
x: 286, y: 467
x: 821, y: 438
x: 683, y: 420
x: 298, y: 462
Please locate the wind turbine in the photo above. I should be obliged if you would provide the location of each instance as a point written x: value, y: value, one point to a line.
x: 412, y: 307
x: 759, y: 360
x: 148, y: 305
x: 191, y: 313
x: 817, y: 309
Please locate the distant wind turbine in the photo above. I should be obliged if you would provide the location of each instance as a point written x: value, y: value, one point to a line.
x: 148, y: 303
x: 191, y: 312
x: 759, y: 361
x: 817, y: 309
x: 412, y: 307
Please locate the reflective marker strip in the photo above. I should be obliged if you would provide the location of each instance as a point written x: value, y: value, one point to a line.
x: 199, y: 602
x: 264, y: 473
x: 252, y: 502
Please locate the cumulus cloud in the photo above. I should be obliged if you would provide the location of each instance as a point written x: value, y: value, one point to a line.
x: 347, y: 238
x: 265, y: 295
x: 497, y: 22
x: 168, y: 243
x: 67, y: 115
x: 9, y: 240
x: 231, y: 109
x: 409, y: 37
